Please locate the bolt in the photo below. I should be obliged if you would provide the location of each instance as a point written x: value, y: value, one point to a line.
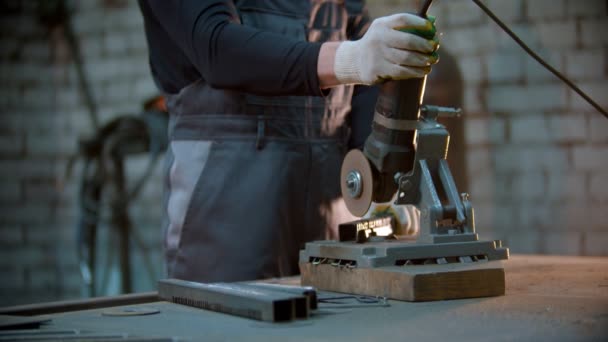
x: 353, y: 184
x: 465, y: 196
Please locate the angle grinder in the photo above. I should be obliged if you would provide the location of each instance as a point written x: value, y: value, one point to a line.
x: 389, y: 151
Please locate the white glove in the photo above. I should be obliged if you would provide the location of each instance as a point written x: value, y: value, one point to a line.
x: 386, y: 53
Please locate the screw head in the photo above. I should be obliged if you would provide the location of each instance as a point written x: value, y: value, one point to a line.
x: 353, y: 184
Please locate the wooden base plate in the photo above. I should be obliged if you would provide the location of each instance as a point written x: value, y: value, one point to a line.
x: 410, y: 283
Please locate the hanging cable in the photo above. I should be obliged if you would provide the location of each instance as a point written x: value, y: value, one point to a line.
x: 539, y: 59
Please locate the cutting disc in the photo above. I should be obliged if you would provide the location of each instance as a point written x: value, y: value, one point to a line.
x: 356, y: 167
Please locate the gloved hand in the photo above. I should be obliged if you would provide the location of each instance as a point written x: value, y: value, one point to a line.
x: 388, y: 51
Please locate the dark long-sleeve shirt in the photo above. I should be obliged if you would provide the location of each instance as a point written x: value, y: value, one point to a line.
x: 193, y: 39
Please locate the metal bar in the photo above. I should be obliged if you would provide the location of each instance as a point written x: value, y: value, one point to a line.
x: 81, y: 304
x: 231, y: 298
x: 450, y: 189
x: 307, y: 291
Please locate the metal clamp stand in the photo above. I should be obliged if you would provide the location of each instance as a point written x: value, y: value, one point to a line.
x: 445, y: 261
x: 445, y: 215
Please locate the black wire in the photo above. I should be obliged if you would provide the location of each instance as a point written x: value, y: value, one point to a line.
x: 538, y: 59
x: 425, y: 8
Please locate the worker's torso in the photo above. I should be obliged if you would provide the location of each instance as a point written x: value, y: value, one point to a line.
x: 313, y: 21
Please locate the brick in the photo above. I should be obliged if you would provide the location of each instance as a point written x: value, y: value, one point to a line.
x: 10, y: 100
x: 572, y: 216
x: 137, y: 42
x: 37, y: 98
x: 6, y: 74
x: 11, y: 124
x: 12, y: 278
x: 473, y: 100
x: 9, y: 46
x: 471, y: 68
x: 28, y: 169
x: 505, y: 67
x: 526, y: 99
x: 462, y: 13
x: 525, y: 31
x: 144, y: 88
x: 43, y: 279
x: 37, y: 74
x: 484, y: 131
x: 590, y: 158
x: 117, y: 93
x: 41, y: 122
x: 598, y: 128
x: 568, y: 129
x: 562, y: 243
x: 91, y: 46
x: 535, y: 216
x: 484, y: 216
x: 530, y: 129
x: 529, y: 158
x: 479, y: 160
x: 508, y: 11
x: 25, y: 213
x: 11, y: 235
x: 10, y: 191
x: 88, y: 22
x: 566, y: 186
x: 536, y: 73
x: 43, y: 191
x: 528, y: 186
x: 598, y: 187
x: 495, y: 219
x: 37, y: 50
x: 560, y: 34
x: 25, y: 257
x: 469, y: 41
x: 109, y: 70
x: 545, y: 9
x: 591, y: 32
x: 523, y: 242
x: 596, y: 243
x: 21, y: 26
x: 68, y: 98
x: 596, y: 90
x: 487, y: 187
x: 586, y: 8
x: 50, y: 145
x: 11, y: 146
x: 116, y: 43
x: 585, y: 65
x: 124, y: 20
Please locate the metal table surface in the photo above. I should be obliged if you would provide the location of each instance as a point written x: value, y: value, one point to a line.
x: 549, y: 298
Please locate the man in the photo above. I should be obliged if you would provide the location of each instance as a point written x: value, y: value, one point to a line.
x: 259, y: 94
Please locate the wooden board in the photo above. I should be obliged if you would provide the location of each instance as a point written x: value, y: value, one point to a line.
x: 410, y: 283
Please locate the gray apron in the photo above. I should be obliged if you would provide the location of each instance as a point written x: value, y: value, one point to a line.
x: 252, y: 178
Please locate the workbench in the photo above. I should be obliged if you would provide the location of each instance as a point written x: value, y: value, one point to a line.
x: 548, y: 298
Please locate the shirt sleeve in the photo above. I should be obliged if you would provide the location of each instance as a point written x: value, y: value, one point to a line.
x: 232, y: 56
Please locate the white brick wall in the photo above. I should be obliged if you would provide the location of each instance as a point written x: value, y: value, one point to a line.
x: 42, y: 117
x: 545, y: 9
